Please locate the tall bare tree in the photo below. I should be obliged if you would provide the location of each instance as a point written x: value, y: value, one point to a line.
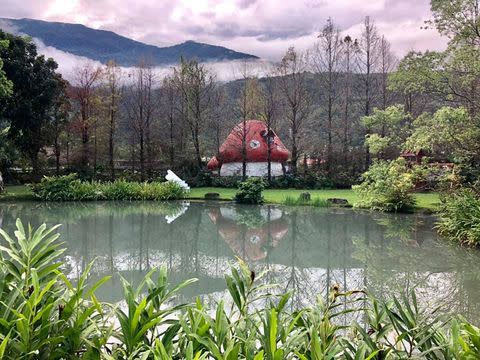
x: 247, y: 108
x: 140, y: 109
x: 220, y: 118
x: 292, y: 84
x: 84, y: 92
x: 349, y: 49
x: 169, y: 101
x: 113, y: 87
x: 196, y: 85
x: 61, y: 116
x: 388, y: 62
x: 367, y: 60
x: 326, y: 60
x: 270, y: 102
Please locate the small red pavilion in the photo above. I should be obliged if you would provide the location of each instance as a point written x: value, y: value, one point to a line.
x: 229, y: 158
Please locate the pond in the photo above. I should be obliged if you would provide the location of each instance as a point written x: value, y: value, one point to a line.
x: 305, y: 249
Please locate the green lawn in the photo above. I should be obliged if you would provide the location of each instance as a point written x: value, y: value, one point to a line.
x: 277, y: 196
x: 427, y: 201
x: 17, y: 192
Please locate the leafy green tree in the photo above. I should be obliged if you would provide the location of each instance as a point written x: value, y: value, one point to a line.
x: 36, y: 86
x: 457, y: 19
x: 450, y: 78
x: 6, y: 87
x: 448, y: 134
x: 386, y: 130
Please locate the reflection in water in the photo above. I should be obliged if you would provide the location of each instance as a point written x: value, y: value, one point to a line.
x: 305, y: 249
x: 250, y: 232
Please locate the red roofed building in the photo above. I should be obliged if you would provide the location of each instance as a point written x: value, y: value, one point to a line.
x: 229, y: 159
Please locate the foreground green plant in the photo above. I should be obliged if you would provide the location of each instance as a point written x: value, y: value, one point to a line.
x: 70, y: 188
x: 45, y: 316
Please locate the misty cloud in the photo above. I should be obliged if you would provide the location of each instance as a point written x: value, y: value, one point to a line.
x: 265, y: 28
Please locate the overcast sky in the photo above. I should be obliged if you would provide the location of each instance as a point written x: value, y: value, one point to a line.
x: 265, y: 28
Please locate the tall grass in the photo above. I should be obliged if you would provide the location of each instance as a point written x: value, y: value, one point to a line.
x: 46, y: 316
x: 301, y: 201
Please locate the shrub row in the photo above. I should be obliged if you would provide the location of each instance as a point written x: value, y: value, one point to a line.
x: 45, y: 316
x: 309, y: 181
x: 70, y: 188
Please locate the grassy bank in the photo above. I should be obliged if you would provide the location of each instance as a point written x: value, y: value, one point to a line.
x: 425, y: 201
x: 17, y: 192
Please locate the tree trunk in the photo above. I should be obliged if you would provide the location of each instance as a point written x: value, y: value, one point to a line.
x: 196, y: 144
x: 35, y: 167
x: 84, y: 149
x: 244, y: 149
x: 172, y: 143
x: 95, y: 152
x: 2, y: 186
x: 294, y: 155
x: 330, y: 143
x: 110, y: 145
x: 148, y: 143
x: 142, y: 157
x: 269, y: 155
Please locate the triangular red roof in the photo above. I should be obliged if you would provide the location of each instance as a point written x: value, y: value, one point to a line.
x: 256, y: 142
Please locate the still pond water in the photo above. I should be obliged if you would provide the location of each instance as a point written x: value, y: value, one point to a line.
x: 305, y: 249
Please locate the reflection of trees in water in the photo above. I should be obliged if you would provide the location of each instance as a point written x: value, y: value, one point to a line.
x: 402, y: 259
x: 298, y: 278
x: 306, y: 250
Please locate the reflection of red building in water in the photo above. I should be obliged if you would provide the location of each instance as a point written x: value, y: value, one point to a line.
x: 250, y: 242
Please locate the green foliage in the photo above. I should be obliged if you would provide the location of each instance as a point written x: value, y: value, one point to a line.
x: 36, y: 90
x: 6, y: 86
x: 449, y: 131
x: 300, y: 200
x: 458, y: 19
x: 460, y: 217
x: 387, y: 186
x: 70, y: 188
x: 387, y: 128
x: 250, y: 191
x: 310, y: 180
x: 45, y: 316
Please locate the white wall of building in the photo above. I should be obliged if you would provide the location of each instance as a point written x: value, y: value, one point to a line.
x: 253, y: 169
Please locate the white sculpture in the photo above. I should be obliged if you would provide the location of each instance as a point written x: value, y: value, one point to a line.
x: 171, y: 176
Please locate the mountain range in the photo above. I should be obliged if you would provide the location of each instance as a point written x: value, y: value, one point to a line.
x: 102, y: 45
